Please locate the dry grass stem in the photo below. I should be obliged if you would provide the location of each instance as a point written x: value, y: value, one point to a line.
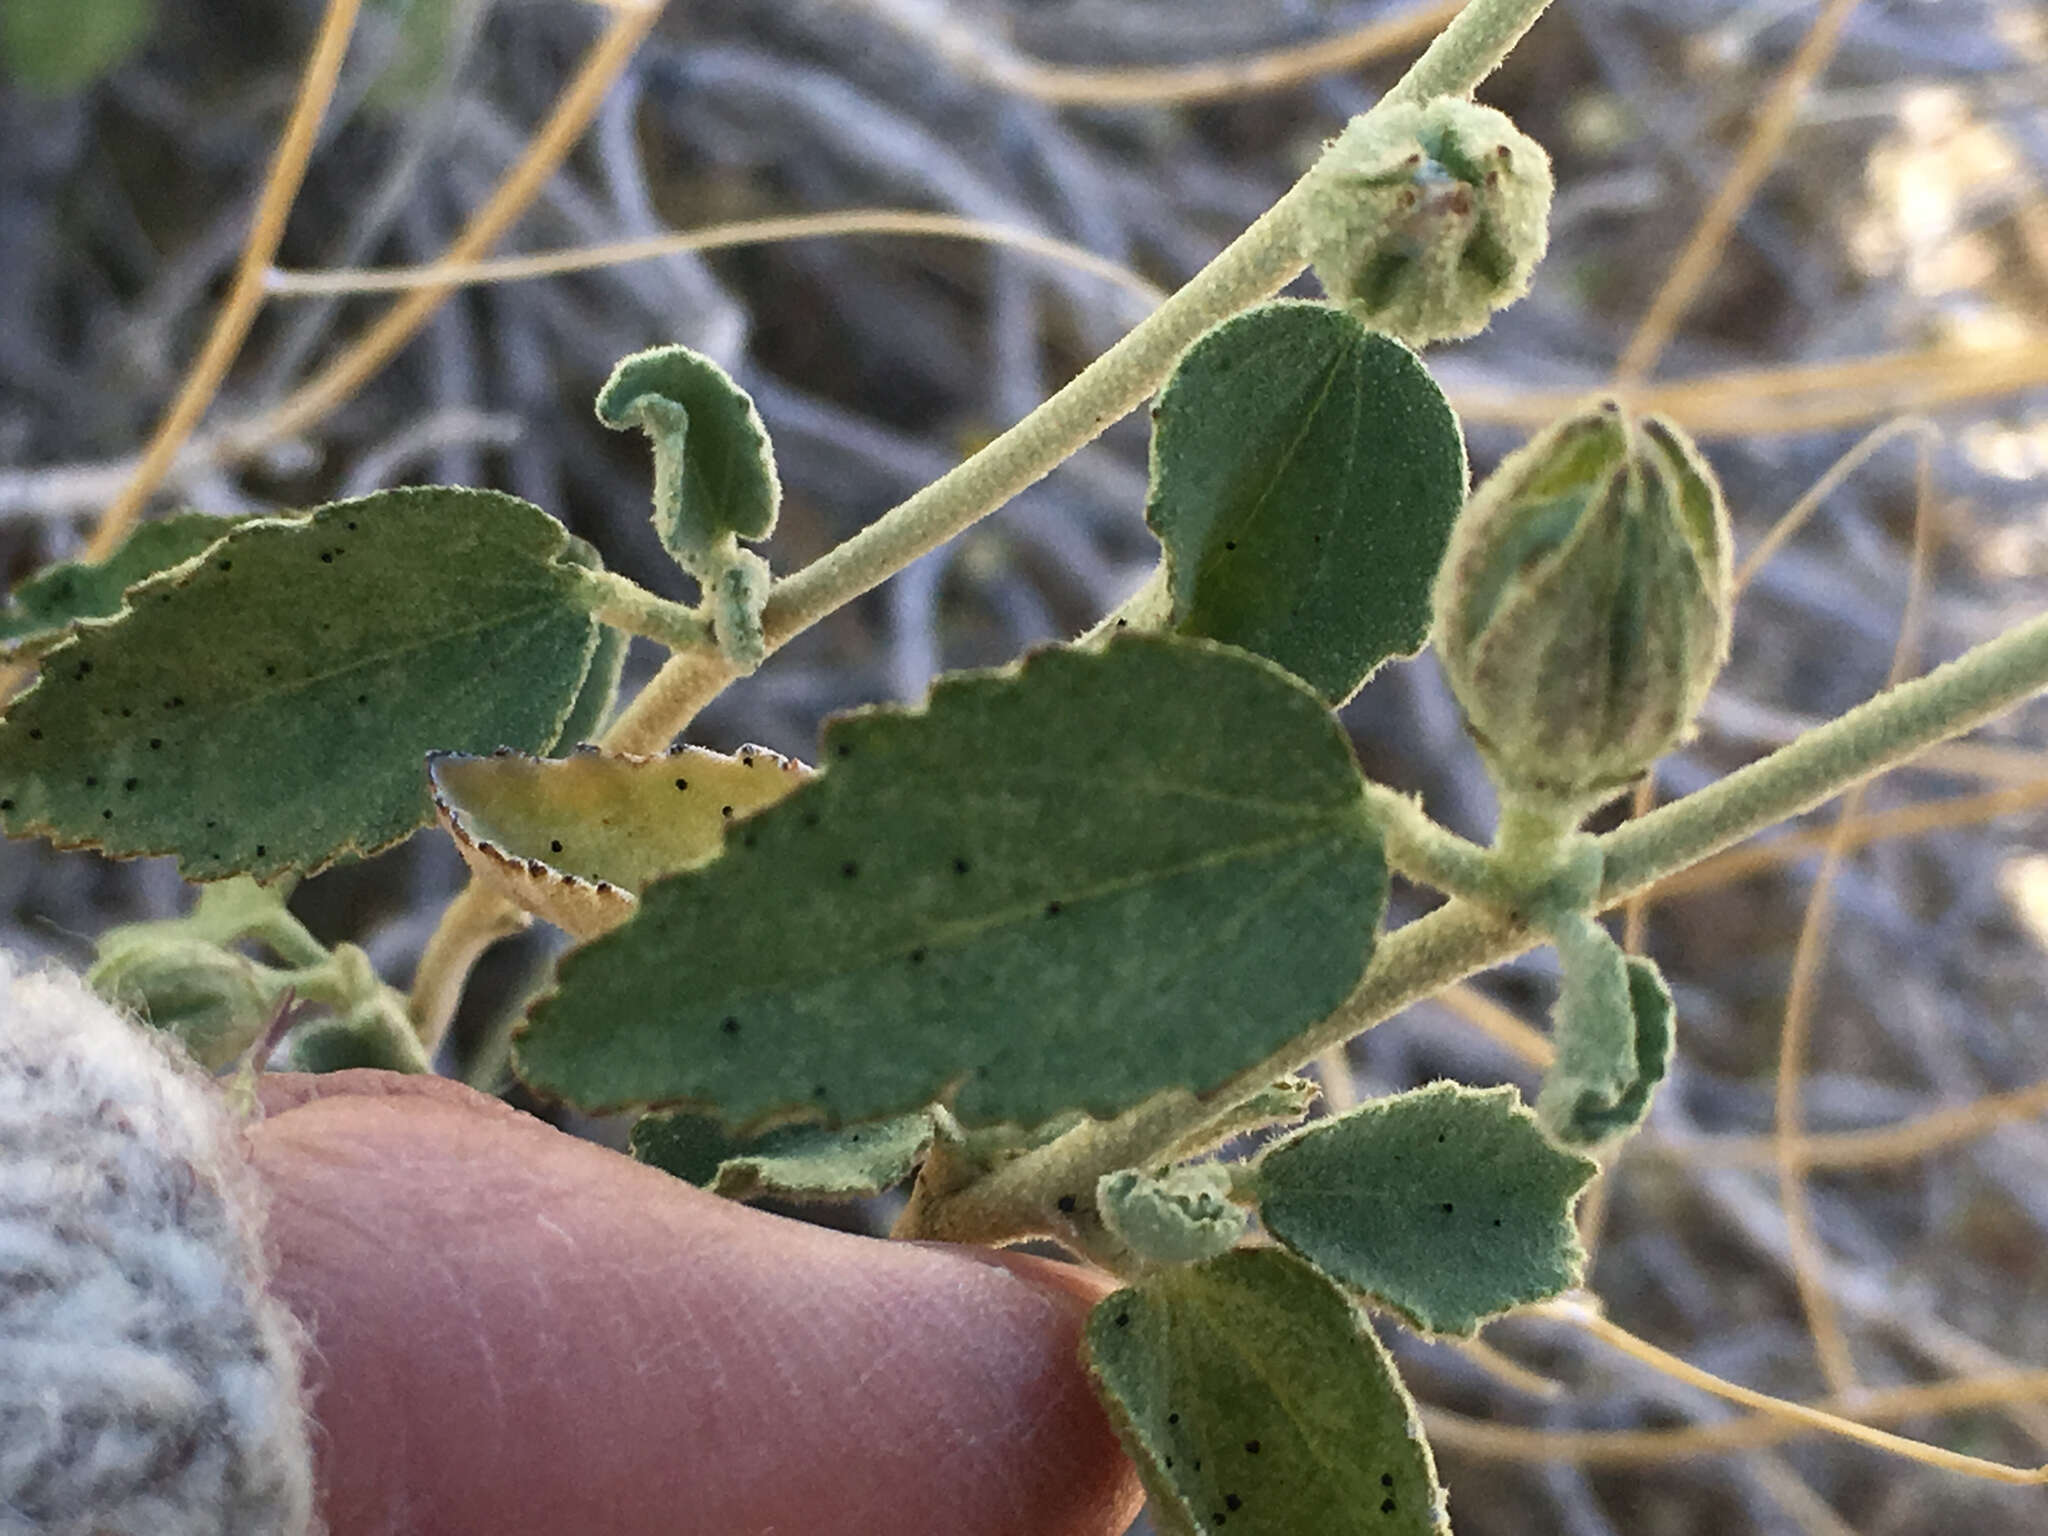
x: 811, y: 226
x: 245, y: 294
x: 1767, y: 135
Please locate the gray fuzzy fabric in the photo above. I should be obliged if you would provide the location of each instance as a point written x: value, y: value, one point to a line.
x: 149, y: 1384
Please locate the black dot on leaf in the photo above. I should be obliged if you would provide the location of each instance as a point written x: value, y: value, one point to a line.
x: 362, y: 698
x: 1123, y: 1319
x: 917, y: 955
x: 730, y: 1025
x: 1496, y: 1221
x: 843, y: 750
x: 1123, y: 623
x: 35, y: 733
x: 725, y: 810
x: 6, y: 805
x: 156, y: 743
x: 1447, y: 1207
x: 1232, y: 1501
x: 1230, y: 543
x: 1251, y: 1447
x: 849, y: 869
x: 327, y: 557
x: 269, y: 669
x: 1066, y: 1203
x: 747, y: 841
x: 106, y: 815
x: 91, y: 782
x: 1173, y: 1418
x: 1386, y: 1479
x: 682, y: 783
x: 555, y: 845
x: 746, y: 759
x: 1219, y: 1517
x: 818, y: 1092
x: 959, y: 866
x: 1169, y: 1461
x: 132, y: 784
x: 1052, y: 909
x: 1387, y: 1506
x: 351, y: 527
x: 227, y: 565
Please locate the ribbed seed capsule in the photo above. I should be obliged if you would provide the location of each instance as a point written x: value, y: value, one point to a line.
x: 1429, y: 218
x: 1583, y: 607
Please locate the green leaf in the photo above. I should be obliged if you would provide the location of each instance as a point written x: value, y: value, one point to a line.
x: 1178, y: 1217
x: 1446, y: 1203
x: 1305, y: 476
x: 797, y: 1161
x: 1614, y: 1029
x: 268, y: 708
x: 600, y: 690
x: 1256, y: 1402
x: 1070, y: 884
x: 714, y: 472
x: 574, y: 840
x: 43, y: 608
x: 55, y: 47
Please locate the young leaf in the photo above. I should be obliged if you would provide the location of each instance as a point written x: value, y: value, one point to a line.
x: 575, y: 840
x: 1305, y: 476
x: 1613, y: 1025
x: 714, y: 473
x: 267, y: 708
x: 1072, y: 883
x: 1256, y: 1402
x: 1446, y: 1203
x: 600, y: 690
x: 797, y: 1161
x: 43, y: 608
x: 1178, y: 1217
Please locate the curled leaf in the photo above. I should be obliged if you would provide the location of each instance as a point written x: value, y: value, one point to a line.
x: 575, y: 840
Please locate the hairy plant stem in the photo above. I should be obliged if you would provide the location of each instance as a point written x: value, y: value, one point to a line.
x: 1425, y: 956
x: 625, y: 604
x: 1252, y: 267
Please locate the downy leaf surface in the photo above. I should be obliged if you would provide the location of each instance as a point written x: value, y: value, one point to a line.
x: 1069, y: 884
x: 1256, y: 1402
x: 268, y: 708
x: 1305, y: 476
x: 1446, y: 1203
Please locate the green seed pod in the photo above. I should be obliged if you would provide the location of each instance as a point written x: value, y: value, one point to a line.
x: 1429, y: 217
x: 1582, y: 610
x: 211, y: 1000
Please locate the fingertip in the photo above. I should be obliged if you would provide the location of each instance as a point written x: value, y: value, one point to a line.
x: 512, y: 1324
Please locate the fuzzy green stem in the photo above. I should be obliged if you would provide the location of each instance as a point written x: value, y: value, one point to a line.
x: 1468, y: 50
x: 1425, y: 850
x: 625, y: 604
x: 1425, y: 956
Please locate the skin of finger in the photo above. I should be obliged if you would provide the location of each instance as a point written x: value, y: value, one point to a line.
x: 518, y: 1332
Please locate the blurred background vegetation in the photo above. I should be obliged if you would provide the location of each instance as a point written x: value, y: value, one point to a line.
x: 1890, y: 267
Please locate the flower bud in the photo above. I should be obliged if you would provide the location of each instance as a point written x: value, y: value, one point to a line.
x: 1429, y: 217
x: 211, y: 1000
x: 1582, y: 609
